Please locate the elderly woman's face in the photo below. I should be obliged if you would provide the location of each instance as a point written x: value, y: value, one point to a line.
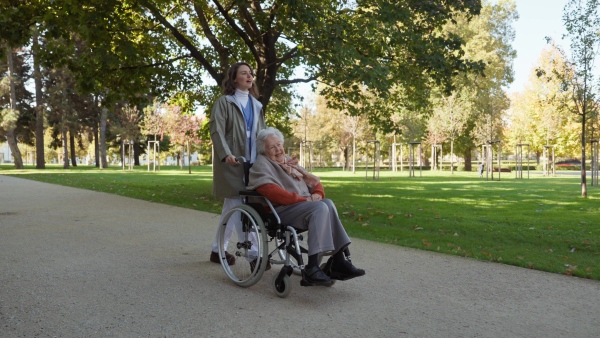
x: 274, y: 149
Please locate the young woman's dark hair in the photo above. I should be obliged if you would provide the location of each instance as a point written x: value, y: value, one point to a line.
x: 229, y: 82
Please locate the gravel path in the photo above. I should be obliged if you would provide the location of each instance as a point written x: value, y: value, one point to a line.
x: 77, y: 263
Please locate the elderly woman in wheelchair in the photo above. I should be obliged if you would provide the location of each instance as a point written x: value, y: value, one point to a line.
x: 297, y: 202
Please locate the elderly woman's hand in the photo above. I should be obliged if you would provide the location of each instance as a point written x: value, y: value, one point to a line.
x: 314, y: 197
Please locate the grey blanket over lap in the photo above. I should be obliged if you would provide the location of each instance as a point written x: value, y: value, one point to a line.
x: 266, y: 171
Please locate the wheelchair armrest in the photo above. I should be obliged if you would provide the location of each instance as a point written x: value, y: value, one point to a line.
x: 250, y: 193
x: 254, y: 193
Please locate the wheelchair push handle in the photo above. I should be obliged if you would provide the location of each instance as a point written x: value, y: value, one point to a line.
x: 242, y: 160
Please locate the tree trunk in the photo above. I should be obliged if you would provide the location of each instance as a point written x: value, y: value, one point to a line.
x: 346, y: 158
x: 467, y: 156
x: 180, y: 158
x: 452, y: 157
x: 65, y: 148
x: 189, y: 158
x: 39, y: 109
x: 103, y: 117
x: 137, y: 149
x: 583, y: 172
x: 122, y: 154
x: 96, y: 145
x: 72, y: 145
x: 353, y: 155
x: 10, y: 133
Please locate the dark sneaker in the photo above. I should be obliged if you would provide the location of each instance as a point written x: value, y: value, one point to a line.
x: 343, y: 271
x: 315, y: 276
x: 253, y: 263
x: 214, y: 257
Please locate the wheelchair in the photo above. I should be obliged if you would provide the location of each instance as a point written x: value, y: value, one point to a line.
x: 260, y: 225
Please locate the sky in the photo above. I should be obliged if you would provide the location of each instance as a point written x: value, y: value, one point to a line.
x: 537, y: 19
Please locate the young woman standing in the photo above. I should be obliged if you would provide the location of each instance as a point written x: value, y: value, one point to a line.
x: 236, y: 119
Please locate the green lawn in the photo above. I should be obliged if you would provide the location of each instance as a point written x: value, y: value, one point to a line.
x: 539, y: 223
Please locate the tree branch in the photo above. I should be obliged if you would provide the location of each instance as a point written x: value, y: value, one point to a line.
x: 249, y: 22
x: 223, y: 51
x: 194, y: 52
x: 237, y: 29
x: 292, y: 81
x: 152, y: 65
x: 290, y: 54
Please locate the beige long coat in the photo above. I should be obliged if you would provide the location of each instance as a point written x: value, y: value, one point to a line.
x: 228, y: 134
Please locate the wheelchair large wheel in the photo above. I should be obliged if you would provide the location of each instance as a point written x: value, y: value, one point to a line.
x: 248, y: 245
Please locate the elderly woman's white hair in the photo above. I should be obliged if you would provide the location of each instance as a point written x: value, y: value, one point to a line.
x: 263, y: 135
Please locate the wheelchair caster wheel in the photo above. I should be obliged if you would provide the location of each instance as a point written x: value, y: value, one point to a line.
x: 282, y: 286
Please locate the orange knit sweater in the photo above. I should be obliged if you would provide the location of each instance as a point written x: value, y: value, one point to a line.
x: 280, y: 196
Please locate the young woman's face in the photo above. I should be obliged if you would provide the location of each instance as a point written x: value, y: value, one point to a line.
x: 243, y: 78
x: 274, y: 149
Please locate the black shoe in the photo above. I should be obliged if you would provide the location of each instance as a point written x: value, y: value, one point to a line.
x: 315, y: 276
x: 253, y: 263
x: 343, y: 271
x: 214, y: 257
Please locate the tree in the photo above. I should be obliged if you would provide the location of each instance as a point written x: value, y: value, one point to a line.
x: 15, y: 102
x: 127, y: 127
x: 330, y: 130
x: 183, y: 130
x: 449, y: 119
x: 376, y: 43
x: 539, y: 115
x: 11, y: 114
x: 582, y: 21
x: 110, y: 58
x: 62, y: 112
x: 18, y: 21
x: 488, y: 38
x: 153, y: 123
x: 39, y: 110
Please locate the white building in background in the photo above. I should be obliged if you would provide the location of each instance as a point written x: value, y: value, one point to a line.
x: 5, y: 154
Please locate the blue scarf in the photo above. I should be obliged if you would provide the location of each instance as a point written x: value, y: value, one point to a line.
x: 249, y: 117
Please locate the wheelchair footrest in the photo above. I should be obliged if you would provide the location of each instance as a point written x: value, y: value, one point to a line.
x: 304, y: 282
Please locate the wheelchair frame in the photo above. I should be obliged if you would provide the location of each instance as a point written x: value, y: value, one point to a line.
x: 263, y: 227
